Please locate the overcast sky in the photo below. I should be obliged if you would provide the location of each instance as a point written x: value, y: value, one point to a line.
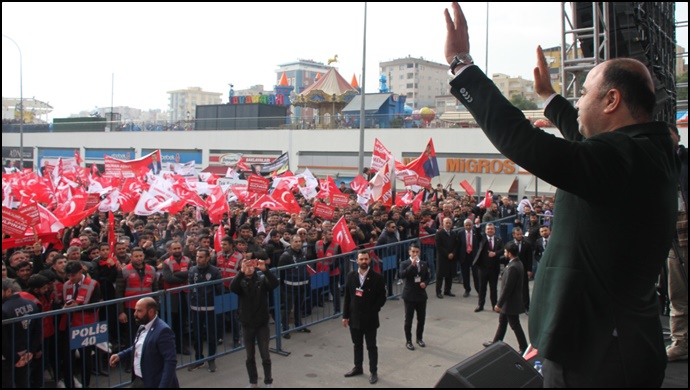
x: 71, y: 51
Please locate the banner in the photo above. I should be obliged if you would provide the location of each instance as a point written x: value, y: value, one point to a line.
x: 324, y: 211
x: 410, y: 180
x: 379, y: 156
x: 257, y: 184
x: 423, y: 181
x: 133, y: 168
x: 31, y: 212
x: 277, y: 166
x: 467, y: 187
x: 340, y: 200
x: 14, y: 222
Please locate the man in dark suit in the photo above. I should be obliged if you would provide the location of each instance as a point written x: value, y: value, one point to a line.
x: 539, y: 248
x: 525, y: 252
x: 155, y: 360
x: 610, y: 144
x: 365, y: 295
x: 509, y: 303
x: 487, y: 260
x: 155, y: 167
x: 416, y: 275
x: 469, y: 238
x: 446, y: 251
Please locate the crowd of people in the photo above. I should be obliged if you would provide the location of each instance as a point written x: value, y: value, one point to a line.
x: 162, y: 252
x: 594, y: 312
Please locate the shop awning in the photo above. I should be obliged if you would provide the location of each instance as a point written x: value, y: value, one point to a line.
x: 542, y: 187
x: 502, y: 184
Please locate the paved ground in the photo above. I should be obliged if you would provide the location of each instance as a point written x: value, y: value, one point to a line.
x: 453, y: 332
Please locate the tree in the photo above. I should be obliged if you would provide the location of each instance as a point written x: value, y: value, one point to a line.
x: 520, y: 102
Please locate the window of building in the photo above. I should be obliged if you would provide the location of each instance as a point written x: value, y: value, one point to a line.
x: 410, y: 66
x: 409, y: 85
x: 410, y: 75
x: 402, y: 67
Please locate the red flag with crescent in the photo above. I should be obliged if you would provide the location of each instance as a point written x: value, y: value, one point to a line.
x: 342, y: 236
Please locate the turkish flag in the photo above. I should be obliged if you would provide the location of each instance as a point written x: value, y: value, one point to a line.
x: 285, y: 197
x: 77, y: 157
x: 486, y: 202
x: 267, y: 202
x: 359, y: 185
x: 342, y: 236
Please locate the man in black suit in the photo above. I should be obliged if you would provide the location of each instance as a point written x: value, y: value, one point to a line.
x: 446, y: 251
x: 539, y: 248
x: 469, y: 238
x: 416, y: 275
x: 606, y: 281
x: 365, y: 295
x: 525, y: 253
x: 487, y: 260
x: 509, y: 303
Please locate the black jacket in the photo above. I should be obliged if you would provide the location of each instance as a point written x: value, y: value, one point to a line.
x: 591, y: 282
x: 253, y: 297
x: 203, y: 298
x: 412, y: 291
x: 363, y: 312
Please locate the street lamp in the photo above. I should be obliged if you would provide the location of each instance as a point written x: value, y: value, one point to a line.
x: 187, y: 126
x: 21, y: 107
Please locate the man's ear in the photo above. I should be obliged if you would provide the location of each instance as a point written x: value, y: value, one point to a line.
x: 613, y: 100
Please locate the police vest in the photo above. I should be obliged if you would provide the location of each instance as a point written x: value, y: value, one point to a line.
x: 134, y: 285
x: 330, y: 264
x: 182, y: 266
x: 83, y: 297
x: 228, y: 265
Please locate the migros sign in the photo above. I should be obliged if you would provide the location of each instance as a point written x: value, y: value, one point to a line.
x: 477, y: 165
x: 480, y: 165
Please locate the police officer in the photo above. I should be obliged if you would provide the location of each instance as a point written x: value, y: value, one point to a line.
x: 20, y: 340
x: 201, y: 302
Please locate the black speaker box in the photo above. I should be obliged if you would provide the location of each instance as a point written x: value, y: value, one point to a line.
x: 496, y: 366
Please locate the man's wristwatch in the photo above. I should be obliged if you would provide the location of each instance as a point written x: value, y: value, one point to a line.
x: 459, y: 60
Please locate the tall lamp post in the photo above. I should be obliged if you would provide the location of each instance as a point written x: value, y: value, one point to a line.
x: 21, y: 106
